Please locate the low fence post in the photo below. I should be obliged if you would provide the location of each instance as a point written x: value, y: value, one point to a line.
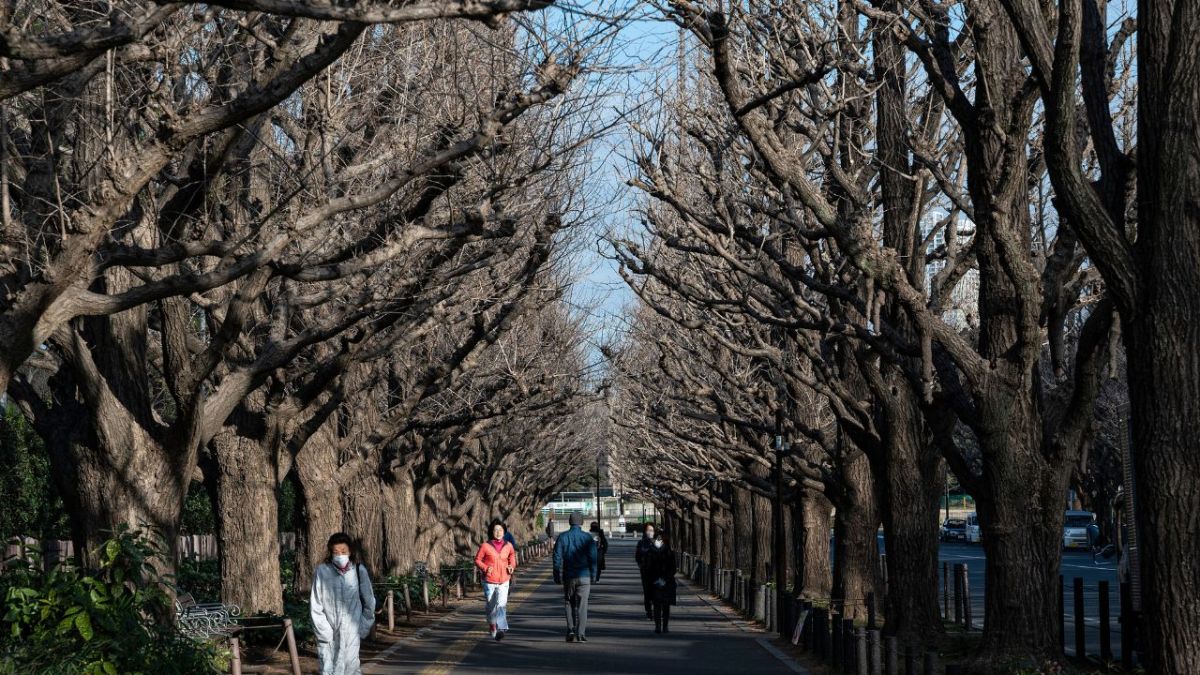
x: 838, y: 651
x: 930, y: 663
x: 966, y: 586
x: 891, y: 655
x: 910, y: 661
x: 848, y: 645
x: 1080, y: 637
x: 407, y: 604
x: 871, y: 611
x: 293, y: 654
x: 861, y: 664
x: 957, y: 594
x: 1127, y: 626
x: 945, y: 590
x: 1105, y: 638
x: 390, y: 603
x: 235, y: 656
x: 1062, y: 616
x: 874, y: 653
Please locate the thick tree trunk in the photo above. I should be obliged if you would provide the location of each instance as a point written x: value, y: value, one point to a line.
x: 764, y: 552
x: 321, y: 505
x: 743, y: 530
x: 1164, y: 334
x: 811, y: 525
x: 856, y: 547
x: 910, y: 475
x: 1021, y: 519
x: 248, y: 524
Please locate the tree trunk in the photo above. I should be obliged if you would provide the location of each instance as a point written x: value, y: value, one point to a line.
x: 248, y: 524
x: 813, y: 573
x: 910, y: 475
x: 321, y: 505
x: 856, y: 547
x: 1164, y: 334
x: 1021, y: 518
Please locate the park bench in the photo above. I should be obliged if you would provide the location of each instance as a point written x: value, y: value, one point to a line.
x: 205, y: 620
x: 216, y: 620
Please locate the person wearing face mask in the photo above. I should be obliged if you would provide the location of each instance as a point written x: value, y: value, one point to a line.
x: 342, y: 605
x: 496, y: 559
x: 660, y: 564
x: 644, y: 546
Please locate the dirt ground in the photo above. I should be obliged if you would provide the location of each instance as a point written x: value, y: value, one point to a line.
x: 276, y: 661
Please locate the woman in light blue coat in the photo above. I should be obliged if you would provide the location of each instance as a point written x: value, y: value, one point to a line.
x: 343, y: 608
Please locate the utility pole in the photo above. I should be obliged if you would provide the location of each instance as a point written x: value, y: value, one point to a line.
x: 780, y: 564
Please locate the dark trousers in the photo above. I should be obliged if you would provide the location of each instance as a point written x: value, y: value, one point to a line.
x: 648, y: 593
x: 575, y: 600
x: 662, y: 615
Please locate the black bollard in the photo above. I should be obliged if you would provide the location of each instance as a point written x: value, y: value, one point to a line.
x: 1062, y: 617
x: 848, y: 658
x: 945, y: 590
x: 958, y: 616
x: 891, y: 655
x: 1105, y: 636
x: 910, y: 661
x: 838, y: 651
x: 1080, y: 638
x: 860, y: 652
x: 874, y: 653
x: 871, y: 611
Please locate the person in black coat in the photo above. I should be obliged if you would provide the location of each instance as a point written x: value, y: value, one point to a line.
x: 601, y: 547
x: 660, y: 566
x: 644, y: 546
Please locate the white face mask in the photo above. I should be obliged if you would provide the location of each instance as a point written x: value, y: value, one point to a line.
x: 341, y: 560
x: 649, y: 535
x: 658, y: 543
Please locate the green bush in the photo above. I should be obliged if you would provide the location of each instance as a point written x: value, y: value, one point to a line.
x: 114, y: 619
x: 201, y: 578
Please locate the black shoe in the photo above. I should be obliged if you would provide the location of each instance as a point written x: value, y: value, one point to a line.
x: 499, y: 635
x: 581, y: 639
x: 570, y: 637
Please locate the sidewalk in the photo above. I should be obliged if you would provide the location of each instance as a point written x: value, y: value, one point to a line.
x: 620, y: 639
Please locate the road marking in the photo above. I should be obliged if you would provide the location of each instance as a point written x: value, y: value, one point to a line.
x: 453, y: 655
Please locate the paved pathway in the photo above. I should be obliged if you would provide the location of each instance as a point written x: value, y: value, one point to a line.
x: 620, y: 637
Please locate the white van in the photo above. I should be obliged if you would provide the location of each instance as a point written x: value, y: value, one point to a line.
x: 974, y: 535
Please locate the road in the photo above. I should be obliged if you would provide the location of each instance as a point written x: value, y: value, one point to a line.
x: 1074, y: 564
x: 620, y: 638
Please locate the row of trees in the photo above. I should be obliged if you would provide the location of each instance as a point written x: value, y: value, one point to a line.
x: 919, y: 237
x: 253, y: 241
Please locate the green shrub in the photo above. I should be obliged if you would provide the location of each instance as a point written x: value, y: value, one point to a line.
x: 114, y: 619
x: 201, y: 578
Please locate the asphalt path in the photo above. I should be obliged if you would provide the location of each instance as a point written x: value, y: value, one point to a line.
x: 703, y: 637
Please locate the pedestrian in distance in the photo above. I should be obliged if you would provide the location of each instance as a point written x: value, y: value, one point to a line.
x: 342, y: 607
x: 644, y: 546
x: 660, y: 565
x: 497, y: 559
x: 601, y: 547
x: 575, y: 568
x: 550, y: 528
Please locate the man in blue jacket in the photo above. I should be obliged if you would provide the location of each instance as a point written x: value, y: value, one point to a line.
x: 575, y: 568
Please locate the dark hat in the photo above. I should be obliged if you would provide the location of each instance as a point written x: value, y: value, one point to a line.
x: 576, y: 519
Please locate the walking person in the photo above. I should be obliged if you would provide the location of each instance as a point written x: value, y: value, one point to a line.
x: 497, y: 559
x: 342, y: 606
x: 601, y: 547
x: 575, y: 568
x: 660, y: 564
x: 550, y: 528
x: 644, y: 546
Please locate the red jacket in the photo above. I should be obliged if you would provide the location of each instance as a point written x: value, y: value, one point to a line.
x: 494, y: 564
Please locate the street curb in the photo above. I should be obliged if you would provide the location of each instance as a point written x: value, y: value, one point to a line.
x: 746, y: 627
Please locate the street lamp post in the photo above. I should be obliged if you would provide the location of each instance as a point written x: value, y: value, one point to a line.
x: 780, y: 565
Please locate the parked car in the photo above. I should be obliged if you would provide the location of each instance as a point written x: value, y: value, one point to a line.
x: 974, y: 534
x: 1075, y: 529
x: 954, y: 529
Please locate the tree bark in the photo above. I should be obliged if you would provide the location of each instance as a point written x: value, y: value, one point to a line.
x: 1164, y: 334
x: 320, y: 497
x: 248, y: 523
x: 856, y: 547
x: 811, y: 523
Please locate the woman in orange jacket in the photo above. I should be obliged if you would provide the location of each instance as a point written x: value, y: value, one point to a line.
x: 496, y: 559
